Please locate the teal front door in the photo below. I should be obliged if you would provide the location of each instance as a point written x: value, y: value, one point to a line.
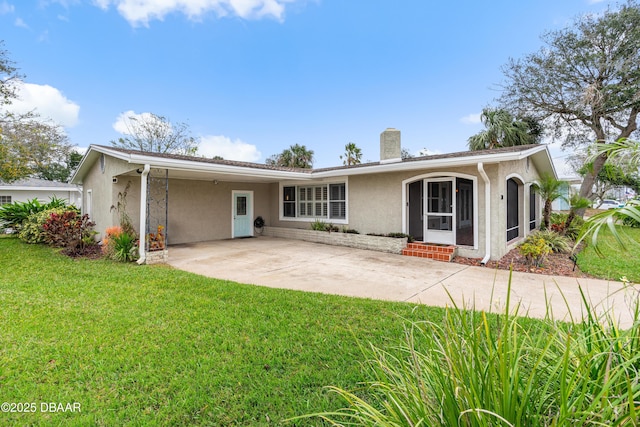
x: 242, y: 213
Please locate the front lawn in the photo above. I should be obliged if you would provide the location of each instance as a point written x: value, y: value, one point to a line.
x: 616, y: 261
x: 150, y: 345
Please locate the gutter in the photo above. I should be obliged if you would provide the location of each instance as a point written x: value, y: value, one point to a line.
x: 487, y: 214
x: 142, y: 251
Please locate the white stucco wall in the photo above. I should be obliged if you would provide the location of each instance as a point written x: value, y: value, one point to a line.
x: 103, y: 192
x: 44, y: 196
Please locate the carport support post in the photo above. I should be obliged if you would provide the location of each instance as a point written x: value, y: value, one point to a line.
x: 143, y: 215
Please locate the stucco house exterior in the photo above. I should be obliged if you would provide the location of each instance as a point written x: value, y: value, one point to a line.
x: 482, y: 201
x: 43, y: 190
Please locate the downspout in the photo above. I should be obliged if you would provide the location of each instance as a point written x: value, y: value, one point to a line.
x: 143, y: 215
x: 487, y: 214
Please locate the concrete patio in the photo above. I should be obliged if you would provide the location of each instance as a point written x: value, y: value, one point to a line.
x: 313, y: 267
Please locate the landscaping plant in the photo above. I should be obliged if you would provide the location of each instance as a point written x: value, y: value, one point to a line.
x: 470, y: 369
x: 559, y: 225
x: 108, y: 242
x: 31, y: 230
x: 68, y: 229
x: 556, y: 241
x: 13, y: 215
x: 535, y: 248
x: 125, y: 247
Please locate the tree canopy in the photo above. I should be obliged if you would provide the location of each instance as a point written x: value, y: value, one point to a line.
x: 583, y: 83
x: 352, y: 154
x: 296, y: 156
x: 157, y: 134
x: 8, y: 76
x: 29, y: 145
x: 32, y: 147
x: 504, y: 130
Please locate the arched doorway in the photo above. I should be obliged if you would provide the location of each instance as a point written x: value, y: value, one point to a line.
x: 441, y: 209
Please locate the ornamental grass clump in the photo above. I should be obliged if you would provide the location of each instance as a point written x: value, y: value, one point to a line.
x: 476, y: 369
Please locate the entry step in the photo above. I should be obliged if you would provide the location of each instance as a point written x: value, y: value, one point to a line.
x: 431, y: 251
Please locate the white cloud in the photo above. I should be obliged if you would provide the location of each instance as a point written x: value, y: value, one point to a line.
x: 471, y: 119
x: 220, y: 145
x: 140, y: 12
x: 47, y: 101
x: 6, y: 8
x: 19, y: 22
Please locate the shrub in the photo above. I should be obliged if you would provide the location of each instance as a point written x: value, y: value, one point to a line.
x: 557, y: 224
x: 534, y: 248
x: 629, y: 220
x: 319, y: 225
x: 31, y: 230
x: 349, y: 230
x: 556, y: 241
x: 125, y: 248
x: 13, y: 215
x: 68, y: 230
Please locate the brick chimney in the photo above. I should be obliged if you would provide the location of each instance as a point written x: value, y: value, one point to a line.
x: 390, y: 150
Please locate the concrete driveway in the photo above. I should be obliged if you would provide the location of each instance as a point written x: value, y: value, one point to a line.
x: 314, y: 267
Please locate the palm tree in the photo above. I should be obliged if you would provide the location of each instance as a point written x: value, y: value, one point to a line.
x: 549, y: 189
x: 301, y: 157
x: 352, y: 155
x: 296, y: 156
x: 576, y: 202
x: 503, y: 130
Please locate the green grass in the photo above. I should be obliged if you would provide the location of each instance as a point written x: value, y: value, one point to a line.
x: 616, y: 262
x: 465, y: 370
x: 150, y: 345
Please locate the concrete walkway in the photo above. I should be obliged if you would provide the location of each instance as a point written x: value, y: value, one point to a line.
x: 313, y: 267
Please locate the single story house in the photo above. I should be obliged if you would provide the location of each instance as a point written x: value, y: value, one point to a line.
x: 480, y: 201
x: 43, y: 190
x: 571, y: 185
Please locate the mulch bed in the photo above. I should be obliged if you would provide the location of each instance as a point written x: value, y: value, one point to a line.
x: 554, y: 264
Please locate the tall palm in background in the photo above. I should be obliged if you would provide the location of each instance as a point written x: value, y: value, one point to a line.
x: 503, y: 130
x: 352, y: 155
x: 296, y: 156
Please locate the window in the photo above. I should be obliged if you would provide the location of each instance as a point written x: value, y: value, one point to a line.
x: 533, y: 209
x: 338, y: 201
x: 327, y: 201
x: 5, y: 200
x: 289, y: 202
x: 241, y: 205
x: 513, y: 227
x: 312, y: 202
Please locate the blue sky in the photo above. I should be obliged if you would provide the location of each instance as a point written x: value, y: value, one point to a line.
x: 252, y: 77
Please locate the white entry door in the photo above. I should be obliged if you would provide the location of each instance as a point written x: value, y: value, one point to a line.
x: 242, y: 213
x: 439, y: 209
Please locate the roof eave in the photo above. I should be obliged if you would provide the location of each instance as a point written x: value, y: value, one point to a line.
x: 184, y: 165
x: 438, y: 163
